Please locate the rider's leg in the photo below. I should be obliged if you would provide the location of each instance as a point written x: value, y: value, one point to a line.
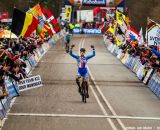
x: 78, y: 83
x: 65, y: 45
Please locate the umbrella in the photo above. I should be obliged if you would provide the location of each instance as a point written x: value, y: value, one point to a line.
x: 7, y: 34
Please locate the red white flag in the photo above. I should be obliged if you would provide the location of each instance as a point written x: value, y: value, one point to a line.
x: 51, y: 19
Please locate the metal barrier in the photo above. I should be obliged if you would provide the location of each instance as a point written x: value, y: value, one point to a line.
x: 135, y: 65
x: 154, y: 84
x: 31, y: 62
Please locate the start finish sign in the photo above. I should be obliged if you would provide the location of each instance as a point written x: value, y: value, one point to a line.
x: 30, y: 83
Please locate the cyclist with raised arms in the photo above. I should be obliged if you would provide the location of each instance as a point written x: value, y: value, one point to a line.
x: 82, y: 65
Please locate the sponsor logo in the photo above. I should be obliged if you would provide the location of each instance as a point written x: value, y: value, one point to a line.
x: 92, y: 31
x: 87, y: 31
x: 94, y: 2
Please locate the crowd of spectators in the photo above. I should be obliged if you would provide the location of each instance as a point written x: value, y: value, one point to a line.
x: 4, y: 26
x: 148, y: 55
x: 13, y: 54
x: 90, y: 25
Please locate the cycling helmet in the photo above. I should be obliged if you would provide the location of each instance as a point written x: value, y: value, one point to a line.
x: 82, y: 50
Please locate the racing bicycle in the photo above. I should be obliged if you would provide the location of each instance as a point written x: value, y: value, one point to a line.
x: 84, y: 86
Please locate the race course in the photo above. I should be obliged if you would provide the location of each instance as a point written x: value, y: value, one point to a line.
x: 118, y: 100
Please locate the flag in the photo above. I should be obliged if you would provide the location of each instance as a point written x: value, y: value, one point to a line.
x: 51, y: 19
x: 46, y: 28
x: 133, y: 34
x: 121, y: 6
x: 51, y: 31
x: 153, y: 32
x: 141, y: 38
x: 36, y: 12
x: 122, y: 3
x: 118, y: 42
x: 120, y: 17
x: 122, y: 29
x: 120, y: 34
x: 117, y: 2
x: 150, y: 24
x: 23, y: 24
x: 68, y: 12
x: 112, y: 29
x: 39, y: 29
x: 127, y: 20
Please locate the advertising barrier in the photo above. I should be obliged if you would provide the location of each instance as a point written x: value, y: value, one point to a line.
x: 154, y: 84
x: 30, y: 83
x: 148, y: 76
x: 134, y: 64
x: 2, y: 111
x: 26, y: 84
x: 11, y: 87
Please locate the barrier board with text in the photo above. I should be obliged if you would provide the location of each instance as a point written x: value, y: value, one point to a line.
x: 30, y: 83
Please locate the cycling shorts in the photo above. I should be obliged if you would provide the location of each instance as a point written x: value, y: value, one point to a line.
x: 82, y: 72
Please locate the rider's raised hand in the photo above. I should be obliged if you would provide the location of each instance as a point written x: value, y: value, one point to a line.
x: 92, y: 47
x: 72, y: 46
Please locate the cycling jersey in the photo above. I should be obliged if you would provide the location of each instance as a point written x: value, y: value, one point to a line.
x: 82, y: 63
x: 67, y: 38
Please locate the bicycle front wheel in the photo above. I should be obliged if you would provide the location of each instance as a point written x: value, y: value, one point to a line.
x: 84, y: 93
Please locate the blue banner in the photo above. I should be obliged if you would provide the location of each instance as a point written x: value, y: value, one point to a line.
x: 12, y: 88
x: 41, y: 50
x: 87, y: 31
x: 32, y: 61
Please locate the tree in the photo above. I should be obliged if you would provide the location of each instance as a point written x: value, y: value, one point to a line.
x: 24, y: 5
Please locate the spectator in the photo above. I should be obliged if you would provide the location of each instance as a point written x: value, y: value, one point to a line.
x: 13, y: 54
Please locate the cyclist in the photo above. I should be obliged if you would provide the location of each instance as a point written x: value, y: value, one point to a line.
x: 82, y: 65
x: 67, y: 39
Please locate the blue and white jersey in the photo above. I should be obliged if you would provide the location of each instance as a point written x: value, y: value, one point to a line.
x: 82, y: 60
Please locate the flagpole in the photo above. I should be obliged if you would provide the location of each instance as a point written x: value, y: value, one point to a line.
x: 11, y: 25
x: 124, y: 6
x: 147, y: 31
x: 11, y: 30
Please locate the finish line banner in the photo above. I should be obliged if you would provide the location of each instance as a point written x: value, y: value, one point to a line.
x: 102, y: 3
x: 87, y: 31
x: 30, y: 83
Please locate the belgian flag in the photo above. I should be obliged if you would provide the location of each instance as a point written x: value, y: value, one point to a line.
x: 23, y: 24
